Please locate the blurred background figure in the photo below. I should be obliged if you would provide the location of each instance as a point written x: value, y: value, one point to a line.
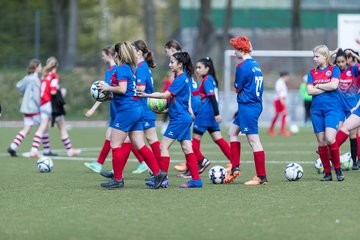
x: 307, y: 101
x: 280, y: 104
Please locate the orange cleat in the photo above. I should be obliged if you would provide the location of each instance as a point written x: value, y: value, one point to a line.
x: 271, y: 132
x: 235, y: 172
x: 256, y: 181
x: 285, y: 133
x: 181, y: 167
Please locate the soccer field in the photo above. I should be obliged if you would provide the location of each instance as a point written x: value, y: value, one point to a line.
x: 68, y: 203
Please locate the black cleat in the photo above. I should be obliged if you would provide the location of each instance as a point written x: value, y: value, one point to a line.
x: 355, y: 166
x: 327, y: 177
x: 339, y: 175
x: 113, y: 183
x: 148, y: 179
x: 107, y: 174
x: 159, y: 178
x: 50, y: 154
x: 203, y: 165
x: 12, y: 152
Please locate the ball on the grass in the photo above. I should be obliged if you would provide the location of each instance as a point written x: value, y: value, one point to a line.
x: 157, y: 105
x: 293, y: 172
x: 97, y: 94
x: 217, y: 174
x: 294, y: 129
x: 346, y: 161
x: 44, y: 164
x: 319, y: 166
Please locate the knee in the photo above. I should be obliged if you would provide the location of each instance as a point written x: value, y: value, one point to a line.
x: 187, y: 149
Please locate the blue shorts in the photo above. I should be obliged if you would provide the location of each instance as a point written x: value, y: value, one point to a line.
x: 211, y: 129
x: 248, y: 122
x: 148, y: 123
x: 129, y: 120
x: 179, y: 130
x: 322, y: 119
x: 344, y: 114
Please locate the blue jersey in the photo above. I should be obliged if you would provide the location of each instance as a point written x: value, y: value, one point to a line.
x: 180, y: 90
x: 208, y: 88
x: 249, y: 82
x: 329, y: 99
x: 195, y: 97
x: 129, y: 99
x: 348, y: 88
x: 144, y: 78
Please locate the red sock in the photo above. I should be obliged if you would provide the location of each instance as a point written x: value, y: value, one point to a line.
x: 225, y: 147
x: 164, y: 164
x: 325, y: 158
x: 149, y: 158
x: 341, y: 137
x: 259, y: 158
x: 137, y: 154
x: 274, y: 120
x: 118, y: 162
x: 191, y: 163
x: 155, y: 147
x: 335, y: 155
x: 196, y: 149
x: 358, y: 143
x: 126, y: 147
x: 104, y: 152
x: 283, y: 121
x: 235, y: 154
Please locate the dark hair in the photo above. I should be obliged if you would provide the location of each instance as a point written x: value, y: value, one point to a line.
x: 284, y: 73
x: 33, y: 64
x: 140, y: 45
x: 173, y: 44
x: 340, y: 53
x: 353, y: 58
x: 109, y: 50
x: 209, y: 64
x: 184, y: 58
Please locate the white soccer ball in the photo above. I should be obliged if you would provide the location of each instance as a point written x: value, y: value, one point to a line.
x: 293, y: 172
x: 294, y: 129
x: 157, y: 105
x: 217, y: 174
x: 45, y: 164
x: 319, y: 166
x: 97, y: 94
x: 346, y: 161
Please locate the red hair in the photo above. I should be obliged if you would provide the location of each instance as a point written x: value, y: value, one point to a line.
x: 241, y: 43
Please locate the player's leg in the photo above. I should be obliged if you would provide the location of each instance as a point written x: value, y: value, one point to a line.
x: 221, y: 142
x: 330, y: 133
x: 65, y: 138
x: 191, y: 163
x: 20, y: 136
x: 235, y: 149
x: 354, y: 149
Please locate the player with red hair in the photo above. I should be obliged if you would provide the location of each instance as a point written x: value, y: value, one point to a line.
x: 249, y: 87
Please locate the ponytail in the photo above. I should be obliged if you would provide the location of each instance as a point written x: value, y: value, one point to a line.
x: 140, y: 45
x: 125, y: 54
x: 51, y: 64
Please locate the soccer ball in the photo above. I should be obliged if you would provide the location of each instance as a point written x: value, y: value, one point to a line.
x: 45, y: 164
x: 293, y: 172
x: 319, y: 166
x: 294, y: 129
x: 346, y: 161
x: 157, y: 105
x: 217, y: 174
x: 97, y: 94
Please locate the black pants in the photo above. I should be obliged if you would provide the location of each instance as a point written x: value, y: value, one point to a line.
x: 307, y: 105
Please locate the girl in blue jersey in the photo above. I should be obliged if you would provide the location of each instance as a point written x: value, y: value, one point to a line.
x: 348, y: 95
x: 128, y: 118
x: 208, y: 117
x: 249, y: 86
x: 180, y: 116
x: 323, y: 82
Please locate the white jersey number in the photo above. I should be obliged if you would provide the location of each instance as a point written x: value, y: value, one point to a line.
x: 258, y: 81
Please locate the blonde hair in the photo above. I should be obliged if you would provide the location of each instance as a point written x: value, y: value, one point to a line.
x: 51, y: 64
x: 126, y: 53
x: 323, y: 50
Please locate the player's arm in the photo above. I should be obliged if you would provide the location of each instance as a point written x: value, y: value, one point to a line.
x: 91, y: 111
x: 312, y: 90
x: 163, y: 95
x: 120, y: 89
x: 352, y: 54
x: 330, y: 86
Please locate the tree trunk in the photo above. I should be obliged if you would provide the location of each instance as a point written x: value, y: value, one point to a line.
x: 205, y: 29
x: 58, y: 8
x: 296, y: 35
x: 150, y: 28
x: 227, y: 23
x: 71, y: 48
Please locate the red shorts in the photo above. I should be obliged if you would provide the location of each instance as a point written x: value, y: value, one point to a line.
x: 279, y: 107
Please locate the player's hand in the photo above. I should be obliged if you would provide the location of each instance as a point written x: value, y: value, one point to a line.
x: 353, y: 109
x: 218, y: 118
x: 103, y: 86
x: 142, y: 94
x: 234, y: 115
x: 89, y: 113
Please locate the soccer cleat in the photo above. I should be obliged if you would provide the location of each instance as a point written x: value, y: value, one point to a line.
x: 107, y: 174
x: 257, y: 181
x: 31, y: 154
x: 339, y: 175
x: 186, y: 174
x: 228, y: 168
x: 327, y: 177
x: 141, y: 168
x: 72, y: 152
x: 12, y: 152
x: 272, y: 132
x: 50, y: 154
x: 159, y: 178
x: 285, y: 133
x: 113, y: 183
x: 192, y: 184
x: 95, y: 166
x: 164, y: 184
x: 355, y: 166
x: 149, y: 179
x: 203, y: 165
x: 235, y: 172
x: 181, y: 167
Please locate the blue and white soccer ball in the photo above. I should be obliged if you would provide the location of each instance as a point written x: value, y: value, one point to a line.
x: 97, y: 94
x: 319, y: 166
x: 346, y: 161
x: 217, y: 174
x: 293, y: 172
x: 45, y: 164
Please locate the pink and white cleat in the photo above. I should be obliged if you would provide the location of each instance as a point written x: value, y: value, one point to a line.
x: 72, y: 152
